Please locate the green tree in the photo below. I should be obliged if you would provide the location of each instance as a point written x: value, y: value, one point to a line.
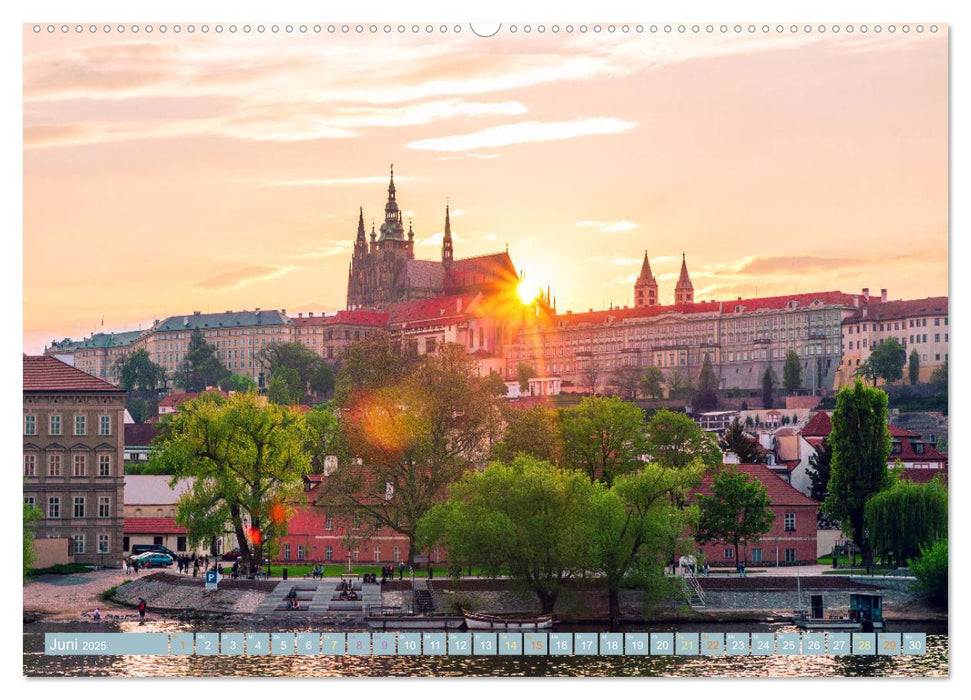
x: 637, y: 525
x: 769, y: 383
x: 372, y: 363
x: 137, y: 372
x: 860, y: 442
x: 913, y: 367
x: 495, y: 384
x: 680, y: 384
x: 735, y: 440
x: 736, y: 512
x: 930, y: 569
x: 237, y: 382
x: 524, y: 372
x: 627, y: 381
x: 248, y: 461
x: 888, y: 359
x: 284, y: 387
x: 651, y: 382
x: 820, y: 462
x: 939, y: 377
x: 705, y: 398
x: 530, y: 430
x: 674, y: 441
x: 414, y: 435
x: 201, y: 368
x: 603, y: 437
x: 305, y: 372
x: 528, y: 519
x: 792, y: 372
x: 905, y: 518
x: 141, y: 409
x: 31, y: 516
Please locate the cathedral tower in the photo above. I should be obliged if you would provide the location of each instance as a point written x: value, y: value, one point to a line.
x: 447, y: 240
x: 684, y: 291
x: 645, y: 288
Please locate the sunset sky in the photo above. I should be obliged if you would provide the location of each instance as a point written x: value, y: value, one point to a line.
x: 170, y: 173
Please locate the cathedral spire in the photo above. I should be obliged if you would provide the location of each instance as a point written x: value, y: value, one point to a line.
x: 645, y: 288
x: 360, y: 226
x: 684, y: 291
x: 391, y: 186
x: 447, y: 253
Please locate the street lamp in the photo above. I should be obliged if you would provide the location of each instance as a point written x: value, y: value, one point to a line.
x: 776, y: 550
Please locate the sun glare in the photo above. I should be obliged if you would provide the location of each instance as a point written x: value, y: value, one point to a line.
x: 527, y: 292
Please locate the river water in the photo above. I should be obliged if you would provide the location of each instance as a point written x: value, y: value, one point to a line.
x: 36, y: 663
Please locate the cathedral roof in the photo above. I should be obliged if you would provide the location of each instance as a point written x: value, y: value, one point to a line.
x: 435, y: 309
x: 684, y: 282
x: 482, y: 269
x: 423, y: 274
x: 646, y: 276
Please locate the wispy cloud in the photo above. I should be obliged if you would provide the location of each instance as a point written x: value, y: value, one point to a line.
x: 609, y: 226
x: 245, y: 276
x: 524, y: 132
x: 788, y: 264
x: 436, y: 239
x: 334, y: 247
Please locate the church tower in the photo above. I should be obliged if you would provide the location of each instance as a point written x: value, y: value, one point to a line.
x: 447, y: 240
x: 645, y: 288
x: 684, y: 291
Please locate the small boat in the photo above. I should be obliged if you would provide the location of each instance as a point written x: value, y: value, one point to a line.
x: 866, y: 615
x: 478, y: 621
x: 414, y: 622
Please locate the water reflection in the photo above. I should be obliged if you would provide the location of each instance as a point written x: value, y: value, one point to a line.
x: 933, y: 663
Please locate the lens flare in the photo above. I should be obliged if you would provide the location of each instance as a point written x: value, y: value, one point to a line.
x: 526, y: 292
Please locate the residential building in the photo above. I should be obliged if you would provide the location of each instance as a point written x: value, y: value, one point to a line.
x: 73, y: 454
x: 328, y: 336
x: 98, y: 354
x: 138, y: 441
x: 150, y: 509
x: 792, y: 538
x: 917, y: 324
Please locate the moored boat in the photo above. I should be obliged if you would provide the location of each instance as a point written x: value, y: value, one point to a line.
x: 478, y: 621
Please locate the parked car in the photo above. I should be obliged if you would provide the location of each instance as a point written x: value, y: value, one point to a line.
x: 154, y: 560
x: 143, y: 548
x: 232, y: 554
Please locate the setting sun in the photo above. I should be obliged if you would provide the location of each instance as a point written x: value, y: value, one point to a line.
x: 527, y: 293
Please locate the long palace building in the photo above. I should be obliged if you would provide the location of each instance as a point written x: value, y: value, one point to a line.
x: 473, y: 302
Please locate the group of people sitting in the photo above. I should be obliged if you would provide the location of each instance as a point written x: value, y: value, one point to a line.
x: 291, y: 599
x: 370, y: 578
x: 318, y: 572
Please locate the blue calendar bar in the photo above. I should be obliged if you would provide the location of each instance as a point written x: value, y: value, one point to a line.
x: 489, y: 644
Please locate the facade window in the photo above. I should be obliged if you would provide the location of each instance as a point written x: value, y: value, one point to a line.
x: 126, y: 543
x: 729, y: 553
x: 30, y: 465
x: 105, y: 427
x: 30, y: 425
x: 54, y: 507
x: 29, y: 500
x: 55, y: 425
x: 397, y: 554
x: 79, y: 543
x: 937, y: 321
x: 329, y: 524
x: 937, y: 337
x: 157, y: 540
x: 104, y: 465
x: 80, y: 465
x: 301, y: 552
x: 79, y: 425
x: 79, y: 506
x: 377, y: 554
x: 329, y: 553
x: 286, y: 551
x: 790, y: 556
x: 180, y: 543
x: 756, y: 555
x: 102, y: 544
x: 356, y: 554
x: 104, y: 506
x: 54, y: 465
x: 790, y: 522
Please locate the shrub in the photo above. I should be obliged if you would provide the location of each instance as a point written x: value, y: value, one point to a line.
x: 930, y: 568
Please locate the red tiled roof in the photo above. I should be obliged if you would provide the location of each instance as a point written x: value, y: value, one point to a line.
x: 152, y: 526
x: 907, y: 453
x: 923, y: 476
x: 353, y: 317
x: 901, y: 308
x: 818, y: 426
x: 902, y: 432
x: 723, y: 307
x: 434, y: 309
x: 139, y: 434
x: 780, y: 492
x: 48, y: 374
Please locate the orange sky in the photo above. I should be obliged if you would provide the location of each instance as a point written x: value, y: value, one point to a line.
x: 170, y: 173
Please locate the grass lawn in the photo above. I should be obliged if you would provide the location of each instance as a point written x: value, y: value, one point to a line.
x: 878, y: 571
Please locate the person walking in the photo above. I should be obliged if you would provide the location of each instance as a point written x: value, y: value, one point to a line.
x: 142, y: 607
x: 401, y: 570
